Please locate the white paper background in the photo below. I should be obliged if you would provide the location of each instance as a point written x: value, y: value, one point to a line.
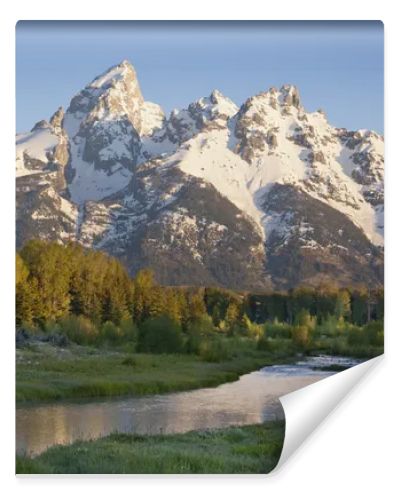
x: 354, y: 453
x: 306, y: 408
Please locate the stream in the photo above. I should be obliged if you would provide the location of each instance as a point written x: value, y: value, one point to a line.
x: 252, y: 399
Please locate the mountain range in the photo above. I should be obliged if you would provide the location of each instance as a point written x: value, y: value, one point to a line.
x: 257, y: 197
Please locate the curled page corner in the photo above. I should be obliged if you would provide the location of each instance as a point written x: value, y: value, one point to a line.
x: 306, y: 408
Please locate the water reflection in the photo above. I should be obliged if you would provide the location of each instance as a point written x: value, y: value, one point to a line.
x: 251, y: 399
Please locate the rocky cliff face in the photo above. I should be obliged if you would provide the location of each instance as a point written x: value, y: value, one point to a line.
x: 265, y: 195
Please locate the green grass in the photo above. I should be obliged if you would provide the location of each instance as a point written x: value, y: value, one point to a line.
x: 241, y: 450
x: 338, y: 346
x: 46, y: 373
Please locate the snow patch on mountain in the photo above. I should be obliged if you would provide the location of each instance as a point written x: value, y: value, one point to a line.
x: 281, y: 143
x: 152, y: 117
x: 286, y: 160
x: 34, y: 145
x: 207, y: 113
x: 206, y: 156
x: 90, y: 183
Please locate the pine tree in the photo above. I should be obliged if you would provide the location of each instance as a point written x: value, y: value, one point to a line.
x: 232, y: 315
x: 173, y: 305
x: 216, y: 315
x: 143, y: 286
x: 343, y: 304
x: 197, y: 306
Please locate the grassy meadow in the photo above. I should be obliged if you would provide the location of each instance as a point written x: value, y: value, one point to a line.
x: 251, y: 449
x: 46, y: 372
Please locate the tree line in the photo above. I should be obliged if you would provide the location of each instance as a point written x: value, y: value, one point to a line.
x: 55, y: 282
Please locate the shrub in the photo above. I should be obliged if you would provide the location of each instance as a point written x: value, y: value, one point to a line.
x: 264, y: 344
x: 30, y: 329
x: 380, y: 339
x: 197, y: 330
x: 52, y: 327
x: 129, y: 361
x: 282, y: 347
x: 329, y: 326
x: 277, y: 330
x: 370, y: 334
x: 255, y: 331
x: 355, y: 336
x: 214, y: 350
x: 193, y: 344
x: 373, y: 332
x: 223, y: 326
x: 304, y: 318
x: 248, y: 329
x: 110, y: 332
x: 300, y: 336
x: 241, y: 345
x: 160, y: 335
x: 79, y: 329
x: 129, y: 330
x: 201, y: 326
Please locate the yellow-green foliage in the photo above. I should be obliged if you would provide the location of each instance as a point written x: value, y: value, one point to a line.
x: 79, y: 329
x: 214, y: 350
x: 370, y: 334
x: 277, y: 330
x: 129, y: 330
x: 249, y: 329
x: 62, y: 288
x: 304, y: 318
x: 301, y: 336
x: 56, y: 280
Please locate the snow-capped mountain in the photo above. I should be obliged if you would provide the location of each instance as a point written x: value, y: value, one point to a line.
x: 265, y: 195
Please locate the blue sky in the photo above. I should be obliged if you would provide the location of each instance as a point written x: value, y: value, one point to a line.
x: 337, y: 66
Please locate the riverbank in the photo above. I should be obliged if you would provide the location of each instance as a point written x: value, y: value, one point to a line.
x: 47, y: 373
x: 236, y: 450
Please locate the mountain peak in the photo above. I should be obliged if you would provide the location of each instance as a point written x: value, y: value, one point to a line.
x: 122, y: 71
x: 290, y: 95
x: 289, y: 88
x: 284, y: 98
x: 216, y: 105
x: 57, y: 118
x: 40, y: 125
x: 125, y: 62
x: 114, y: 95
x: 216, y: 96
x: 238, y: 197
